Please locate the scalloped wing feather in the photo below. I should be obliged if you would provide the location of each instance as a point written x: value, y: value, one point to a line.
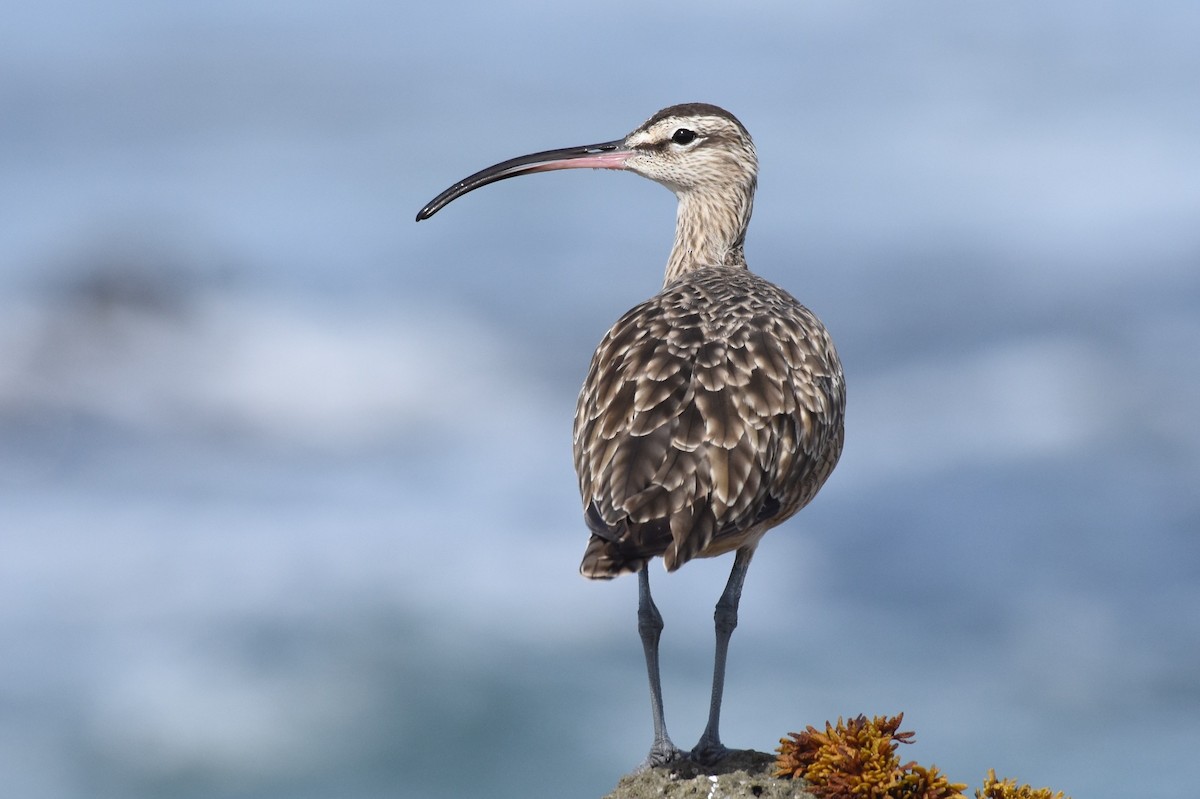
x: 710, y: 413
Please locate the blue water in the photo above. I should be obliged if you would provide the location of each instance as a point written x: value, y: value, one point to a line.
x: 286, y: 499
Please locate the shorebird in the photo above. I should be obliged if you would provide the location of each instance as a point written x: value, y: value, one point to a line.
x: 711, y: 412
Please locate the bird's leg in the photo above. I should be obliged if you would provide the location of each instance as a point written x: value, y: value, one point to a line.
x: 650, y: 625
x: 710, y: 749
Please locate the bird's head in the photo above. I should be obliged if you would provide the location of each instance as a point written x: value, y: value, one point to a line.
x: 692, y: 149
x: 695, y: 147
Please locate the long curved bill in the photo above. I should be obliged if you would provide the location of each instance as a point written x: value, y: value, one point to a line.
x: 609, y: 155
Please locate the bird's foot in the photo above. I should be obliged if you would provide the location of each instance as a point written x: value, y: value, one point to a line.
x: 709, y: 751
x: 662, y: 753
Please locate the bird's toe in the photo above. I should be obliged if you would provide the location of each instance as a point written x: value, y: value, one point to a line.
x: 709, y: 753
x: 662, y: 754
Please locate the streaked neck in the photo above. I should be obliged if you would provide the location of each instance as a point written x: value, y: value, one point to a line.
x: 709, y: 232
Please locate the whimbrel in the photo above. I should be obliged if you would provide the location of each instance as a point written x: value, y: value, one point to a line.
x: 712, y: 411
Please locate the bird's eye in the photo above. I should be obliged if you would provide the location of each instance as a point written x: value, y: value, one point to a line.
x: 683, y: 136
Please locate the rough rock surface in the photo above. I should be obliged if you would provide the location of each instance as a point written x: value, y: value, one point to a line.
x: 741, y: 773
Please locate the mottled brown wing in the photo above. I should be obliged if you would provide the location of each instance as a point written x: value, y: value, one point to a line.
x: 710, y: 413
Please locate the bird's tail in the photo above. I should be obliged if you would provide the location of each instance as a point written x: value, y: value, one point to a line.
x: 619, y: 548
x: 604, y: 560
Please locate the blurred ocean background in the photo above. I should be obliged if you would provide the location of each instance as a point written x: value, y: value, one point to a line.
x: 286, y: 498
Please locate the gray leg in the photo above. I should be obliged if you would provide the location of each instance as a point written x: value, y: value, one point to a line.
x: 650, y: 625
x: 709, y: 749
